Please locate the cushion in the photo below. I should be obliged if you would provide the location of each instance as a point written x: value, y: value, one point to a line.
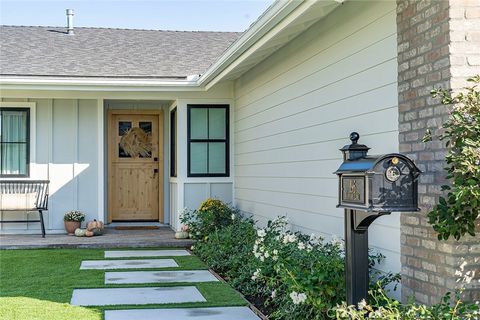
x: 20, y: 201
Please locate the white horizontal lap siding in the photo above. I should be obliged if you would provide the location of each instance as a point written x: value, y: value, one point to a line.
x: 66, y: 147
x: 296, y: 109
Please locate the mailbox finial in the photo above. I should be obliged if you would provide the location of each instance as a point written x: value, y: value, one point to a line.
x: 354, y: 136
x: 354, y: 150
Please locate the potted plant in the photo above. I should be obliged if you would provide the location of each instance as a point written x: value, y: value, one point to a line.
x: 73, y: 220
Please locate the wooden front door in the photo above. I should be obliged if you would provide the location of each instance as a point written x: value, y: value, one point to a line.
x: 135, y: 165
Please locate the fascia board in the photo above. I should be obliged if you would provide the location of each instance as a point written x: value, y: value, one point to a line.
x: 271, y: 18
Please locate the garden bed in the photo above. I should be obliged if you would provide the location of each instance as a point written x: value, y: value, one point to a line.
x: 288, y: 275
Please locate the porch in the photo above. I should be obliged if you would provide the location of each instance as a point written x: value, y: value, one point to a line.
x: 112, y: 238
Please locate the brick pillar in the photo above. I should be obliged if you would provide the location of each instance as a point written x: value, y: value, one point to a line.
x: 438, y: 46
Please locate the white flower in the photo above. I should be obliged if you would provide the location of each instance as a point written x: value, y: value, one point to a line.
x: 262, y: 258
x: 376, y: 314
x: 275, y: 252
x: 302, y: 297
x: 301, y: 245
x: 275, y: 258
x: 233, y: 216
x: 289, y: 238
x: 362, y: 304
x: 256, y: 274
x: 298, y: 298
x: 274, y: 294
x: 257, y: 254
x: 266, y: 254
x: 192, y: 248
x: 261, y: 233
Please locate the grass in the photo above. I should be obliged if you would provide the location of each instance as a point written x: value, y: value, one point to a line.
x: 38, y: 284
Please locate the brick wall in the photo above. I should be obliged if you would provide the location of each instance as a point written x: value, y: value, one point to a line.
x: 438, y: 46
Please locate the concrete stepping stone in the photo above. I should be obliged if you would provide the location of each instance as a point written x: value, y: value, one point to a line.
x: 226, y: 313
x: 135, y: 296
x: 145, y: 253
x: 158, y: 277
x: 128, y: 264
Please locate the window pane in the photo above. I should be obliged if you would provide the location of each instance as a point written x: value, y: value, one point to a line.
x: 123, y: 127
x: 14, y: 126
x: 146, y: 126
x: 14, y: 158
x: 198, y: 157
x: 216, y: 157
x: 217, y: 123
x: 198, y: 123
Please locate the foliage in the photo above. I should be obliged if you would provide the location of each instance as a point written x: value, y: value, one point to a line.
x: 304, y: 274
x: 74, y: 215
x: 455, y: 214
x: 383, y: 307
x: 288, y: 275
x: 229, y: 252
x: 210, y: 216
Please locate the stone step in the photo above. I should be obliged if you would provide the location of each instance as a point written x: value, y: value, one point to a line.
x: 128, y: 264
x: 135, y: 296
x: 145, y: 253
x: 226, y: 313
x: 135, y: 277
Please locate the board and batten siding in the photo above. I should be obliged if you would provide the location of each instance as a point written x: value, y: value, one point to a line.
x: 66, y: 153
x: 297, y: 108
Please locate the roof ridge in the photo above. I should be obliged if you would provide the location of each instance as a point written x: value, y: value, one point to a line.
x: 130, y: 29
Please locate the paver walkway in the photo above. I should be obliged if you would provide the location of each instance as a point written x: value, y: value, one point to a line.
x: 128, y: 264
x: 152, y: 295
x: 136, y: 277
x: 225, y: 313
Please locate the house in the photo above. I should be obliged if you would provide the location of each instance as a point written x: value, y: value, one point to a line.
x: 255, y: 119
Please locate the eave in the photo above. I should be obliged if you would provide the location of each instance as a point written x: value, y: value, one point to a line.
x: 280, y: 23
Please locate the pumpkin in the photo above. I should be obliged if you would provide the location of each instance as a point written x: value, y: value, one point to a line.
x: 80, y: 232
x: 97, y: 231
x: 88, y: 233
x: 94, y: 225
x: 181, y: 235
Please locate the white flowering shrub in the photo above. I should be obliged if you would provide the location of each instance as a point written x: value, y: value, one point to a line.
x: 385, y: 308
x: 303, y: 274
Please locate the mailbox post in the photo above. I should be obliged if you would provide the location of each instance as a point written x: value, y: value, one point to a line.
x: 369, y: 187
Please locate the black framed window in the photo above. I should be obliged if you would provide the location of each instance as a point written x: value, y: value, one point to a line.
x: 173, y: 143
x: 14, y: 142
x: 208, y: 140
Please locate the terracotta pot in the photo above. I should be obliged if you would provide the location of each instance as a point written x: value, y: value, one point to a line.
x: 71, y: 226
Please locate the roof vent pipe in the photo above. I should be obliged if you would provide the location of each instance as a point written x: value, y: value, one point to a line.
x: 70, y: 21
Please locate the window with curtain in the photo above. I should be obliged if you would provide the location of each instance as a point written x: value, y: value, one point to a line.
x: 208, y: 145
x: 14, y: 142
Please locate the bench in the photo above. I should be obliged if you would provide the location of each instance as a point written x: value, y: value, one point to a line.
x: 24, y: 195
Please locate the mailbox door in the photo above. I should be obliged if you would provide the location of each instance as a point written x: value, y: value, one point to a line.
x: 353, y: 191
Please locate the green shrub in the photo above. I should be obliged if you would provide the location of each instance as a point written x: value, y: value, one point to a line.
x: 456, y: 214
x: 229, y: 252
x: 290, y: 276
x: 383, y: 307
x: 211, y: 215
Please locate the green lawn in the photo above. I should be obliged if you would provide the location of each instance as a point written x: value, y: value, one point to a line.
x: 38, y: 284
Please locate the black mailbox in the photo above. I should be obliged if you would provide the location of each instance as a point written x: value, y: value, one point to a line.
x: 378, y: 183
x: 369, y: 187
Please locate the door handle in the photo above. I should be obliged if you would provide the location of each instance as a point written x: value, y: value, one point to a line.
x: 155, y: 171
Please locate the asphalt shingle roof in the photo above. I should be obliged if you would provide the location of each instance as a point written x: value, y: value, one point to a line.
x: 102, y: 52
